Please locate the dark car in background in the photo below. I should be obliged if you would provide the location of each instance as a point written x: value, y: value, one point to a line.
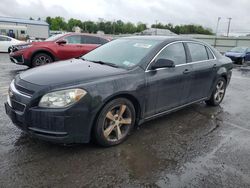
x: 239, y: 54
x: 128, y: 81
x: 55, y: 48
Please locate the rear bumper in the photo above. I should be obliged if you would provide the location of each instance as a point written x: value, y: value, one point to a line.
x: 50, y: 126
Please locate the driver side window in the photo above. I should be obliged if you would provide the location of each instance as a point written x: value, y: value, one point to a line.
x: 174, y: 52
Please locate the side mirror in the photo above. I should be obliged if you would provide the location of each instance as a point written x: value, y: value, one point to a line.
x: 61, y: 41
x: 163, y: 63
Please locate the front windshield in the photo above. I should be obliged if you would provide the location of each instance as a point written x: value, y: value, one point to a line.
x: 54, y: 37
x: 238, y: 49
x: 123, y: 52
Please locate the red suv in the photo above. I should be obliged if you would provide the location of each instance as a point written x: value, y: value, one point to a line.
x: 55, y: 48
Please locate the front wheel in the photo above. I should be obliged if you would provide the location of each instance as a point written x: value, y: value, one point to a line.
x: 9, y: 49
x: 242, y: 61
x: 115, y: 122
x: 41, y: 59
x: 218, y: 93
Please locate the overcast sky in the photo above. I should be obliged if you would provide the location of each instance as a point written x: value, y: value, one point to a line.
x: 203, y: 12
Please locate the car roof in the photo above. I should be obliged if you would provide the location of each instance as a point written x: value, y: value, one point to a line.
x: 163, y: 38
x: 87, y: 34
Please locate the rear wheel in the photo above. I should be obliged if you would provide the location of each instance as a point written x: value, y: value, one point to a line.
x: 218, y: 93
x: 115, y: 122
x: 41, y: 59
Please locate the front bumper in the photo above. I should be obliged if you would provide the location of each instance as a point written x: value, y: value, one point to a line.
x: 235, y: 59
x: 51, y: 126
x: 67, y: 125
x: 18, y: 58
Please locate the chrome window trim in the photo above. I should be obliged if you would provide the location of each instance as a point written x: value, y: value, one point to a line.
x: 193, y: 62
x: 13, y: 88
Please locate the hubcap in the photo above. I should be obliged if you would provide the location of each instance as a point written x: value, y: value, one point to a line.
x: 117, y: 122
x: 220, y: 91
x: 42, y: 60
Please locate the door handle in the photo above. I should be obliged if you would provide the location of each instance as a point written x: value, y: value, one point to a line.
x: 186, y: 71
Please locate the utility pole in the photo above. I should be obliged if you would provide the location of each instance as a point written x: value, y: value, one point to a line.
x: 155, y: 27
x: 217, y: 26
x: 229, y: 23
x: 114, y: 26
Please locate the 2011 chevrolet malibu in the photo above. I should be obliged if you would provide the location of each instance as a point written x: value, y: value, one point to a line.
x: 128, y: 81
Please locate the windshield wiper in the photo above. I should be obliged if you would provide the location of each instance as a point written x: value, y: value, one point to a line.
x: 101, y: 62
x: 105, y: 63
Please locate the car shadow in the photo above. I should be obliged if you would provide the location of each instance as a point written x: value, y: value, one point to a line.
x: 184, y: 117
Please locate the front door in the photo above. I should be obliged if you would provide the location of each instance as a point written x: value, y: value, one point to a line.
x: 72, y: 49
x: 168, y: 87
x: 247, y: 58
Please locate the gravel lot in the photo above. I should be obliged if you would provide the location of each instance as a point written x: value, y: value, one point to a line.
x: 198, y: 146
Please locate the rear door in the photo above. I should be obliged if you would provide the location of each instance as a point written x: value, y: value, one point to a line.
x: 168, y: 87
x: 89, y: 43
x: 204, y: 67
x: 4, y: 43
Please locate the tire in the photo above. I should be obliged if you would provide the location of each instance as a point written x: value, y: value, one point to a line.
x: 242, y: 61
x: 218, y: 92
x: 9, y: 49
x: 41, y: 59
x: 109, y: 129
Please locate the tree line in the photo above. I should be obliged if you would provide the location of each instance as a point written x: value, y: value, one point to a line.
x: 120, y: 27
x: 184, y: 29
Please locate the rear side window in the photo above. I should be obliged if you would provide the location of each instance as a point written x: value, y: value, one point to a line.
x: 103, y: 41
x: 4, y: 39
x: 198, y: 52
x: 174, y: 52
x: 90, y: 40
x: 209, y: 53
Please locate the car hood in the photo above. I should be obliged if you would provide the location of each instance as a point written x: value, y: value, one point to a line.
x: 70, y: 71
x: 234, y: 54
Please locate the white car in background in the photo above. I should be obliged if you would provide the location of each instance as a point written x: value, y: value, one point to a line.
x: 6, y: 42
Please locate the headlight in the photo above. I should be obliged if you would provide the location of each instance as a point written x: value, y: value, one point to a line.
x: 61, y: 99
x: 23, y: 46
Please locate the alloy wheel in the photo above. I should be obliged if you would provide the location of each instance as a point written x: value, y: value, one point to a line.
x: 220, y: 91
x: 117, y: 122
x: 42, y: 60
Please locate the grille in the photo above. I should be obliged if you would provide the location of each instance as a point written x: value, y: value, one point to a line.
x: 24, y: 90
x: 17, y: 106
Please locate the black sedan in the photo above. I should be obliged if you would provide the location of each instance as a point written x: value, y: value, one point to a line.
x: 128, y: 81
